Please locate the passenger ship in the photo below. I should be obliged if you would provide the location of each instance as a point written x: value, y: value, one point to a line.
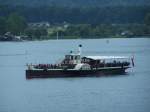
x: 74, y: 65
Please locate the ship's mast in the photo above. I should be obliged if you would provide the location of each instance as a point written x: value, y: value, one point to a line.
x: 80, y: 49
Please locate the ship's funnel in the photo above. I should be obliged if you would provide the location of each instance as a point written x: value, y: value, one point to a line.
x: 80, y: 49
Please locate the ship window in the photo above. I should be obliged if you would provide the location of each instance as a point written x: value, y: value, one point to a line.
x: 71, y: 57
x: 67, y: 57
x: 75, y: 57
x: 78, y: 57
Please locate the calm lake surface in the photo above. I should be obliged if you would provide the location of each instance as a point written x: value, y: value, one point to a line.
x: 122, y: 93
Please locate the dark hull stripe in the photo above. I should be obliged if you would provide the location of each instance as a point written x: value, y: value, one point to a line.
x: 73, y: 73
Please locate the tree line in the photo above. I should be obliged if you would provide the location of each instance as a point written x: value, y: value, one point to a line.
x: 17, y: 25
x: 79, y: 15
x: 13, y: 23
x: 103, y: 31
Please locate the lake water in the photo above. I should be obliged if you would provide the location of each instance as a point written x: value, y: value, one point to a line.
x: 122, y: 93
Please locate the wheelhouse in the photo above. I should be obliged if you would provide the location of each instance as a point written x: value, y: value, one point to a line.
x: 72, y: 59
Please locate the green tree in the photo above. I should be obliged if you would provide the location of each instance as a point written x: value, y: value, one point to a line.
x: 36, y: 33
x: 16, y: 23
x: 2, y: 25
x: 147, y: 19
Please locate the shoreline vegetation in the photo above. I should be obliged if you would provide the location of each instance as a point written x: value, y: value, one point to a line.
x: 77, y: 31
x: 77, y: 38
x: 16, y: 26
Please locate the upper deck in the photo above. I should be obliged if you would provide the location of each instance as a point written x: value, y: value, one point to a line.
x: 106, y: 57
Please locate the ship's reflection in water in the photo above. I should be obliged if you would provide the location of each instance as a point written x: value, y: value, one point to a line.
x: 120, y: 93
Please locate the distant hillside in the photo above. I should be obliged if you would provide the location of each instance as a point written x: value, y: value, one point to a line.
x: 76, y: 3
x: 78, y: 11
x: 88, y: 15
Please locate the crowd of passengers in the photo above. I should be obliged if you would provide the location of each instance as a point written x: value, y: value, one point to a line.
x: 48, y: 66
x: 71, y: 66
x: 54, y: 66
x: 110, y: 64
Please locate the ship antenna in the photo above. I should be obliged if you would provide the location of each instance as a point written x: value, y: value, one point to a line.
x: 80, y: 49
